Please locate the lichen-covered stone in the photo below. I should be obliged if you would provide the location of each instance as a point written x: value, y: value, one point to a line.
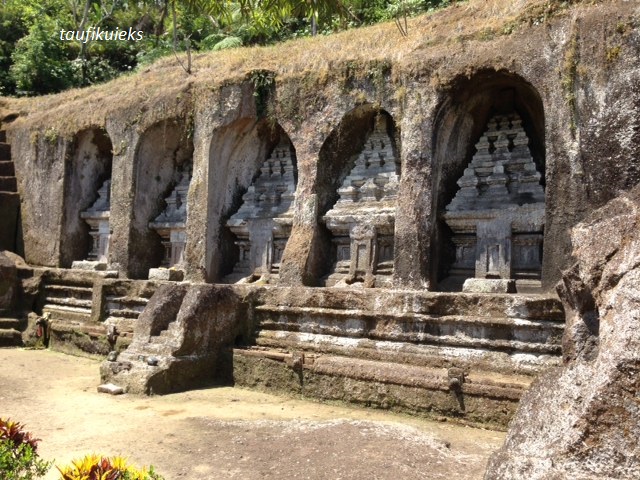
x: 582, y: 420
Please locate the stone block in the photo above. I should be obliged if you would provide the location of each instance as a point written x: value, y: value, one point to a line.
x: 110, y: 388
x: 488, y: 285
x: 89, y: 265
x: 166, y: 274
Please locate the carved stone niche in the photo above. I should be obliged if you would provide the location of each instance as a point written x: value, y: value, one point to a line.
x: 497, y: 216
x: 362, y: 220
x: 263, y: 223
x: 97, y: 216
x: 171, y: 226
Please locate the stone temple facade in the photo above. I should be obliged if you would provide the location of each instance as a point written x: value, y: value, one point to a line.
x: 262, y: 225
x: 498, y: 214
x: 362, y: 220
x: 307, y: 225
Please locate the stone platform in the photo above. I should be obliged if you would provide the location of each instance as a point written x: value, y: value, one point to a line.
x: 466, y: 356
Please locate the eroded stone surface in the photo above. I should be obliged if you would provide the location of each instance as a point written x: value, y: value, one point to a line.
x: 583, y: 420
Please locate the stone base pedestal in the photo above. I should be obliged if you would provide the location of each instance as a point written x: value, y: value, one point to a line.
x: 166, y: 274
x: 486, y: 285
x: 89, y: 265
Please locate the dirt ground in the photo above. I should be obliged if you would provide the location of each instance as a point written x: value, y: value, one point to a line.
x: 222, y: 433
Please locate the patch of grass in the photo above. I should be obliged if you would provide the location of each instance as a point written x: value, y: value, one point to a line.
x: 613, y: 53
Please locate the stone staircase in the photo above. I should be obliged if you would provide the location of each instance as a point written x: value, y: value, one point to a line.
x: 123, y: 311
x: 68, y: 298
x: 10, y: 329
x: 178, y: 339
x: 9, y: 198
x: 468, y: 356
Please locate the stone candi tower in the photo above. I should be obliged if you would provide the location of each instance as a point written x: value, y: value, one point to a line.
x: 497, y: 216
x: 263, y: 223
x: 97, y: 216
x: 362, y: 220
x: 171, y: 226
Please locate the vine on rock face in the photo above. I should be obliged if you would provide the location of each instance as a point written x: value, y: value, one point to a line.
x: 263, y: 85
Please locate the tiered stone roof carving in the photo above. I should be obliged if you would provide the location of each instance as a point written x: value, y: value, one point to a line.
x: 171, y: 223
x: 497, y: 216
x: 263, y: 222
x: 367, y: 203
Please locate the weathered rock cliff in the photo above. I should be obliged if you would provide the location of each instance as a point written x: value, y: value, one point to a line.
x: 582, y: 420
x: 571, y: 70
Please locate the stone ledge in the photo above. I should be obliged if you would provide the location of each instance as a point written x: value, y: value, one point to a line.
x: 487, y: 285
x: 167, y: 274
x: 89, y: 265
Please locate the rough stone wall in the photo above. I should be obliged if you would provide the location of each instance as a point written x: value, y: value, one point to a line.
x: 583, y: 64
x: 40, y: 169
x: 582, y: 420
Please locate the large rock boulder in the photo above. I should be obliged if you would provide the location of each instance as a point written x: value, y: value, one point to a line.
x: 582, y: 420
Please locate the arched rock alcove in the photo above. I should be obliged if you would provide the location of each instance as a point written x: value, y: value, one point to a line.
x: 359, y: 148
x: 87, y: 167
x: 461, y: 120
x: 164, y: 154
x: 237, y: 153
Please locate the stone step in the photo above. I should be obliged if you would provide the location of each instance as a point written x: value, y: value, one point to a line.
x: 484, y: 397
x: 7, y: 169
x: 66, y: 291
x: 66, y: 313
x: 68, y: 301
x: 13, y: 323
x: 361, y: 303
x: 129, y: 301
x: 5, y: 151
x: 156, y: 349
x: 163, y: 341
x: 10, y: 337
x: 485, y: 332
x: 471, y: 355
x: 8, y: 184
x: 123, y: 313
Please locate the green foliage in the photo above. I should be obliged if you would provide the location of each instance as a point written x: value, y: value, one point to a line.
x: 33, y: 59
x: 96, y: 467
x: 18, y: 457
x: 41, y: 62
x: 228, y: 42
x: 263, y: 85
